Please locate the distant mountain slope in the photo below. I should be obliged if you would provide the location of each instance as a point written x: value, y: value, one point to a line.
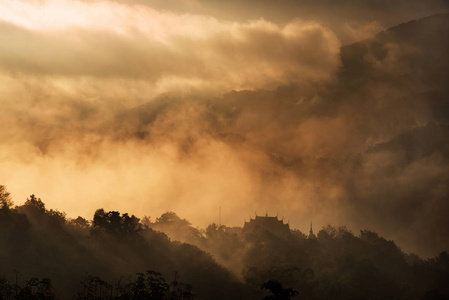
x: 420, y: 44
x: 397, y: 85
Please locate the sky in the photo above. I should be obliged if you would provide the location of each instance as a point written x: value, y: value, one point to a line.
x: 149, y: 106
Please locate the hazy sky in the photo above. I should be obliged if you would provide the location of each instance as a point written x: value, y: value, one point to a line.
x: 186, y: 105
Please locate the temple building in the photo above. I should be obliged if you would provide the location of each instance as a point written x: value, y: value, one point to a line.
x: 264, y: 224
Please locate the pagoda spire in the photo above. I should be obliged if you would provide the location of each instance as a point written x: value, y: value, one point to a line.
x: 311, y: 235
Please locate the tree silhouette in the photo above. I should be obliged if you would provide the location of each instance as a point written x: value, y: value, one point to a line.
x: 171, y: 217
x: 278, y: 291
x: 93, y: 288
x: 5, y: 199
x: 80, y: 223
x: 150, y: 285
x: 36, y: 289
x: 6, y: 289
x: 114, y: 224
x: 35, y: 203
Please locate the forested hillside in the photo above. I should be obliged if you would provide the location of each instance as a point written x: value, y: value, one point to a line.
x: 118, y: 256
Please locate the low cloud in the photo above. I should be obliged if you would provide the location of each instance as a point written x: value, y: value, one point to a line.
x: 167, y: 51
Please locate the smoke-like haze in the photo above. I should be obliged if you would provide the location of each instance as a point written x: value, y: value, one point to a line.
x: 144, y: 109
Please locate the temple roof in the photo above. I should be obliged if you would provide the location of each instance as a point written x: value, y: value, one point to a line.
x: 265, y: 223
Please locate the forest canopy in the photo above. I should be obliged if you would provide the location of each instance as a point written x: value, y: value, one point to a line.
x: 45, y: 255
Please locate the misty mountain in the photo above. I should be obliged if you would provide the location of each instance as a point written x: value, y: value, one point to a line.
x: 370, y: 130
x: 412, y: 53
x: 404, y: 69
